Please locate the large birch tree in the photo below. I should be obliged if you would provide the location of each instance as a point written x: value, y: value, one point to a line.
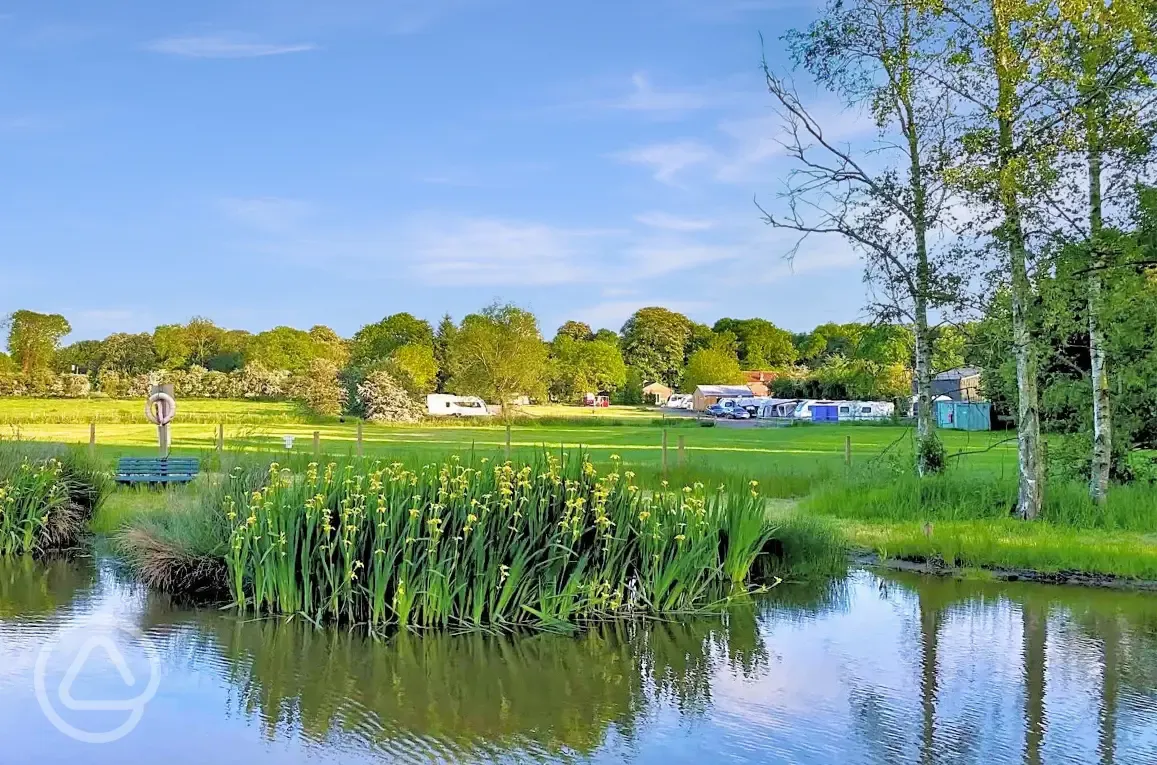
x: 887, y: 198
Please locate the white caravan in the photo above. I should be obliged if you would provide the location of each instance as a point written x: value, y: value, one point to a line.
x: 858, y: 411
x: 445, y: 405
x: 679, y: 401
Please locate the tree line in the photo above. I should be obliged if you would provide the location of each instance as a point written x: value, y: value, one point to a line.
x: 1004, y: 184
x: 498, y: 353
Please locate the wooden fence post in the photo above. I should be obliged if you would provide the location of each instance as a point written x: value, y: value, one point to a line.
x: 664, y: 451
x: 359, y: 439
x: 848, y: 451
x: 508, y: 439
x: 317, y: 443
x: 221, y: 437
x: 91, y: 439
x: 682, y: 450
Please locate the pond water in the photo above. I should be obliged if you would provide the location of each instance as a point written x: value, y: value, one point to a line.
x: 877, y: 668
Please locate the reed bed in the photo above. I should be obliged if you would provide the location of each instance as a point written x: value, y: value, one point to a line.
x: 488, y: 545
x: 47, y: 497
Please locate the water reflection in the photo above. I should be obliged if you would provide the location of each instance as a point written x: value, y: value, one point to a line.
x: 872, y: 669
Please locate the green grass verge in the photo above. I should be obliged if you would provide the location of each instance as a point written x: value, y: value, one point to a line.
x: 1011, y: 544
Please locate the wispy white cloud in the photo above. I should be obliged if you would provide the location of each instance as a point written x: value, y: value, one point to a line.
x: 224, y: 46
x: 669, y: 222
x: 273, y: 215
x: 666, y: 160
x: 494, y: 252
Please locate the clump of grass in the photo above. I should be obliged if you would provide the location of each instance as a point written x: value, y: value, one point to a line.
x: 804, y: 548
x: 47, y: 496
x: 546, y: 545
x: 179, y: 544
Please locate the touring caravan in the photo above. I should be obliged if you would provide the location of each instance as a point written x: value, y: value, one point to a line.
x: 679, y: 401
x: 444, y: 405
x: 860, y: 411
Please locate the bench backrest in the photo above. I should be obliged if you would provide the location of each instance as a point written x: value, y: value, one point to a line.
x: 157, y: 465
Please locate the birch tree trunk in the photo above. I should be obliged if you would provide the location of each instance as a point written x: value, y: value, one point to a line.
x: 1030, y: 495
x: 1102, y: 456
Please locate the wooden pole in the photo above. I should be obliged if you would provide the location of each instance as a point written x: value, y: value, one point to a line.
x: 221, y: 437
x: 848, y: 451
x: 316, y: 443
x: 682, y: 450
x: 664, y: 451
x: 508, y: 439
x: 359, y: 439
x: 92, y: 439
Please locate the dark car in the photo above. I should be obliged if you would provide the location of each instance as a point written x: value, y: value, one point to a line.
x: 715, y: 410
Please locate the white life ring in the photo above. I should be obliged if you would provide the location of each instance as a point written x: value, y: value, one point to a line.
x: 168, y: 409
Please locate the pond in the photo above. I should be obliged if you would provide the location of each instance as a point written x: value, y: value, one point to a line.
x: 876, y: 668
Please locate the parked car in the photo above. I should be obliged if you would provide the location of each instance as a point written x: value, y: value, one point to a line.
x: 739, y: 413
x: 715, y: 410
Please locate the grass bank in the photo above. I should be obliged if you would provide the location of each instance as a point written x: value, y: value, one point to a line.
x: 961, y: 519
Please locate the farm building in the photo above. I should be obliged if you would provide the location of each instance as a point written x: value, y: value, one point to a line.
x: 960, y: 384
x: 706, y: 395
x: 656, y: 393
x: 759, y: 382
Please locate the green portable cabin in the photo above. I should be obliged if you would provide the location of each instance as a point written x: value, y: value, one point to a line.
x: 964, y: 415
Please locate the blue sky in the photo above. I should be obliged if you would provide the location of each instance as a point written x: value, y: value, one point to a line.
x: 267, y: 162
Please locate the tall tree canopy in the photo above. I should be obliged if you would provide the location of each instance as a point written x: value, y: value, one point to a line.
x: 34, y: 337
x: 655, y: 342
x: 375, y: 342
x: 576, y: 330
x: 499, y: 355
x: 713, y: 365
x: 762, y: 345
x: 585, y: 366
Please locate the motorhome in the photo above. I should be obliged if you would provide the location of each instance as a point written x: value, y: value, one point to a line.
x: 444, y: 405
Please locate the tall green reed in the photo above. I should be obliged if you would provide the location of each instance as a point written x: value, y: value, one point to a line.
x: 487, y: 545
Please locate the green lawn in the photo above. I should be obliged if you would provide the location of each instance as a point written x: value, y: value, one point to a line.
x: 757, y: 450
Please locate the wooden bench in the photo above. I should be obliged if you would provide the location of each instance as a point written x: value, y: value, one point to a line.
x: 157, y: 470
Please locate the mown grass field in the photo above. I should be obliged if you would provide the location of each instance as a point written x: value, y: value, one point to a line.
x: 875, y: 502
x: 635, y: 436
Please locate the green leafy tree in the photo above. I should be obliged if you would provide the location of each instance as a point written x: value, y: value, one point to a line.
x: 714, y: 365
x: 171, y: 346
x: 442, y: 338
x: 7, y: 365
x: 329, y: 345
x: 607, y: 336
x: 34, y: 337
x: 655, y: 341
x: 129, y: 354
x: 585, y: 366
x: 203, y: 339
x: 83, y: 354
x: 575, y: 330
x: 761, y: 344
x: 232, y: 346
x: 282, y: 348
x: 499, y: 355
x: 415, y: 367
x: 375, y: 342
x: 318, y: 388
